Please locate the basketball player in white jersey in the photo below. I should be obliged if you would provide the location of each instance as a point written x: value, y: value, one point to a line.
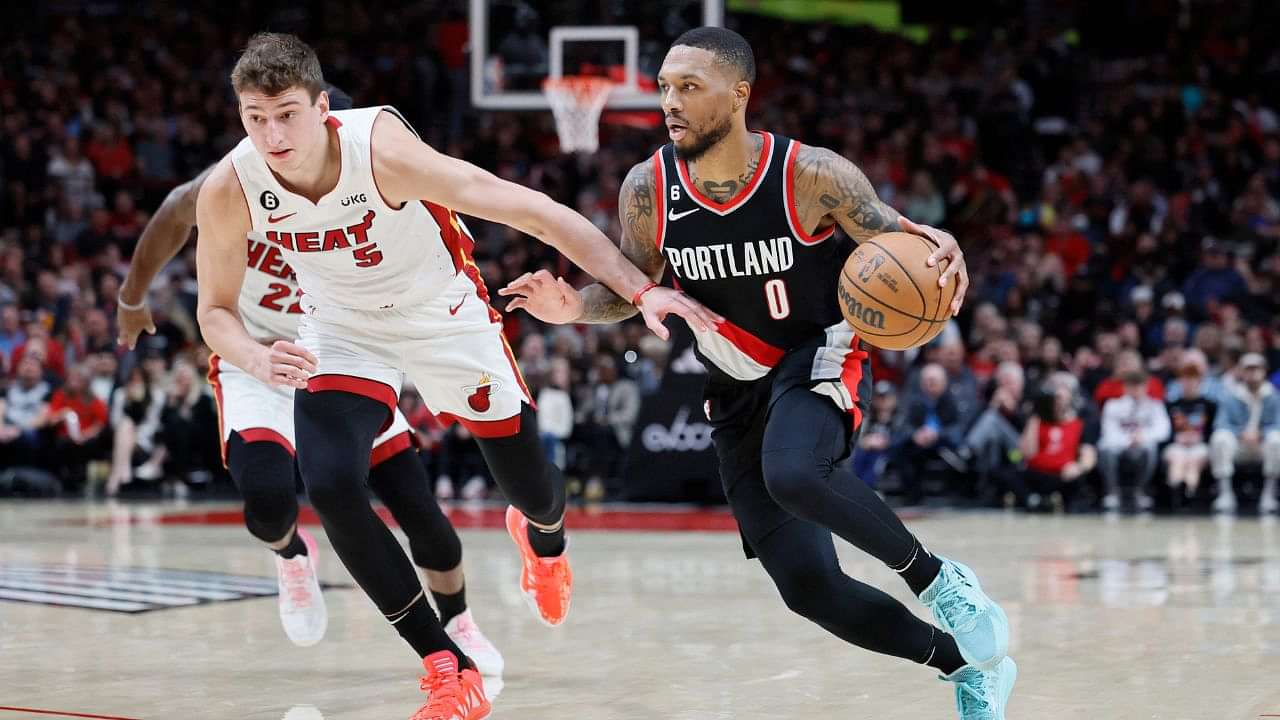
x: 258, y: 440
x: 363, y: 211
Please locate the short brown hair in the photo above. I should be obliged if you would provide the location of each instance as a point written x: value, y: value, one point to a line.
x: 275, y: 62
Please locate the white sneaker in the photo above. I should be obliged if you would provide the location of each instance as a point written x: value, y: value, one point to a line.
x: 444, y: 488
x: 303, y: 712
x: 1268, y: 504
x: 1111, y: 502
x: 149, y: 470
x: 1144, y: 501
x: 475, y: 489
x: 302, y: 611
x: 1225, y: 503
x: 462, y: 629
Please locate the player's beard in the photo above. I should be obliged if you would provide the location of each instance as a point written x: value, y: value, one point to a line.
x: 698, y: 143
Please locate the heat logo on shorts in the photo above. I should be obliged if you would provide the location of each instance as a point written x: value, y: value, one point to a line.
x: 479, y: 396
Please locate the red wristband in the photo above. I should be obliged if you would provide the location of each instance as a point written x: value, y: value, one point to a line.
x: 635, y: 299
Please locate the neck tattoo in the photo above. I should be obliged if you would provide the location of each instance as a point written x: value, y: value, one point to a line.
x: 722, y: 192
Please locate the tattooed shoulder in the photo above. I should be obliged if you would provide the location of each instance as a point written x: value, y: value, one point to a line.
x: 827, y: 184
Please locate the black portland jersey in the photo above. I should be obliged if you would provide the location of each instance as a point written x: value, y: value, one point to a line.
x: 750, y: 261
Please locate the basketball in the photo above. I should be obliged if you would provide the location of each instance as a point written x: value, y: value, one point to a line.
x: 891, y: 296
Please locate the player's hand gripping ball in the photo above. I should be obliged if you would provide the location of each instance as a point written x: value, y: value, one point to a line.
x: 890, y: 295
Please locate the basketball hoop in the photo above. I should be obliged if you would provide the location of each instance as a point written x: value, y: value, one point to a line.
x: 577, y: 101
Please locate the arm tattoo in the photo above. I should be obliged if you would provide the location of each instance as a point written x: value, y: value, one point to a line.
x: 723, y: 192
x: 829, y: 185
x: 639, y: 229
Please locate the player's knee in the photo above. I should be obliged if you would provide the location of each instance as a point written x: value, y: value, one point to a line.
x: 794, y: 478
x: 269, y: 528
x: 271, y: 509
x: 264, y: 473
x: 807, y: 590
x: 439, y: 551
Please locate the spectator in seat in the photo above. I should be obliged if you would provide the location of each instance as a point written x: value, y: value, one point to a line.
x: 78, y: 421
x: 929, y: 423
x: 998, y: 430
x: 605, y: 421
x: 1214, y: 282
x: 136, y: 408
x: 24, y: 409
x: 1059, y: 447
x: 12, y: 334
x: 555, y: 411
x: 1192, y: 418
x: 876, y: 440
x: 1133, y: 427
x: 962, y: 386
x: 1247, y: 428
x: 187, y: 422
x: 460, y: 460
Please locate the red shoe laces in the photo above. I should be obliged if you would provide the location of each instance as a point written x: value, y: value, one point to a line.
x: 296, y: 576
x: 446, y: 697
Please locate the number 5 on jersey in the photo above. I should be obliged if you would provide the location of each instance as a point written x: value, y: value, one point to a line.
x: 367, y: 256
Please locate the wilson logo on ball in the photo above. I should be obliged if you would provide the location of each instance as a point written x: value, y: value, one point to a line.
x: 868, y: 316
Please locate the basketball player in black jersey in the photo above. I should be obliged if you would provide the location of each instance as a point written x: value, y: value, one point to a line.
x: 746, y: 221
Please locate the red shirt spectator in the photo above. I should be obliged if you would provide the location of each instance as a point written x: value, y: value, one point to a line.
x: 1058, y: 443
x: 1071, y: 247
x: 110, y: 154
x: 91, y: 413
x: 51, y: 353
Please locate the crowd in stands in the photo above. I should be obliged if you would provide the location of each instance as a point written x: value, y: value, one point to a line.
x: 1119, y: 208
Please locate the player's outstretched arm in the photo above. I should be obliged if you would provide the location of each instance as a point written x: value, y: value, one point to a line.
x: 407, y: 170
x: 829, y: 185
x: 163, y: 237
x: 552, y: 300
x: 223, y: 221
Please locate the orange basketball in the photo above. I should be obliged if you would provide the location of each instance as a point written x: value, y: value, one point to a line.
x: 890, y: 296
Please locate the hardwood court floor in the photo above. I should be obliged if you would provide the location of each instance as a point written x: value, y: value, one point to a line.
x: 1113, y: 618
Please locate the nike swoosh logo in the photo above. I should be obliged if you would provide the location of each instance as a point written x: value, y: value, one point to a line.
x: 673, y: 215
x: 274, y: 220
x: 454, y: 310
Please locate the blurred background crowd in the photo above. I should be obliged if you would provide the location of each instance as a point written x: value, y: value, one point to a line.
x: 1117, y: 195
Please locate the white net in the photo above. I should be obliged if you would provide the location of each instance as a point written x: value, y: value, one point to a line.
x: 577, y: 101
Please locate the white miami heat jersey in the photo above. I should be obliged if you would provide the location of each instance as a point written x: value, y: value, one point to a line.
x: 350, y: 249
x: 269, y: 296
